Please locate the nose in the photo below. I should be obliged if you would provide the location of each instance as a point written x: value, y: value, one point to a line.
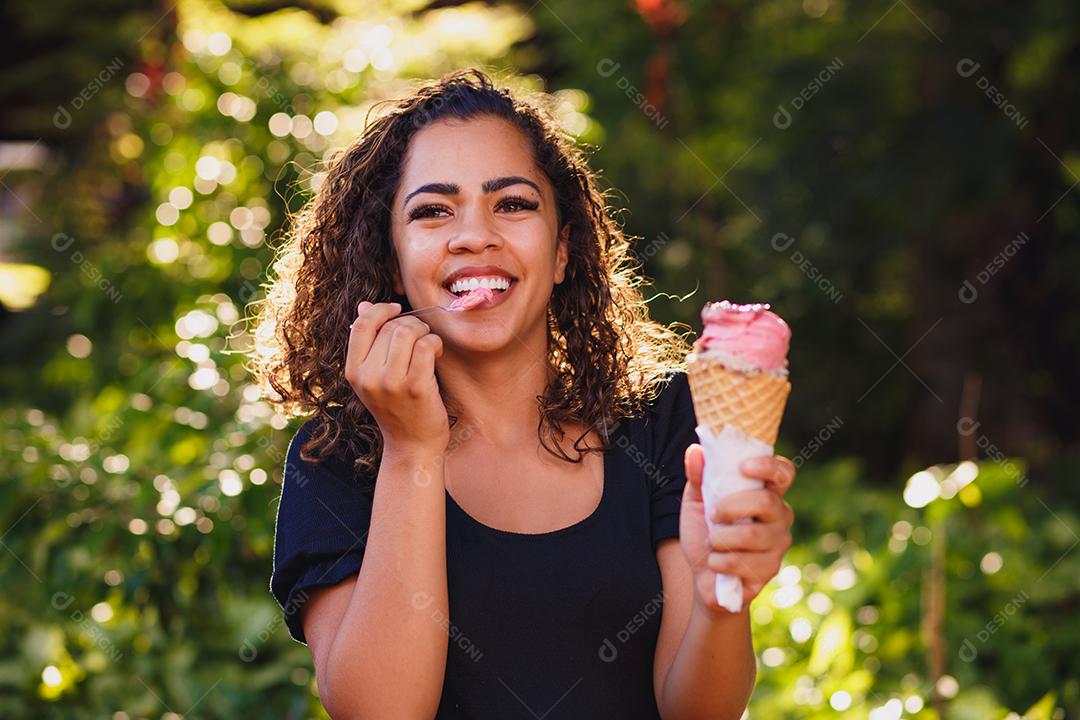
x: 474, y: 232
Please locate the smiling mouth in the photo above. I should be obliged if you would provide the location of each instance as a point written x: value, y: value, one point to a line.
x: 478, y: 293
x: 463, y: 287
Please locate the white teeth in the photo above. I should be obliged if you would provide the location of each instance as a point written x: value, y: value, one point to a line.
x: 495, y: 282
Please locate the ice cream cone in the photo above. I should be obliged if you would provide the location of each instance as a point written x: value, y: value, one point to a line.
x: 739, y: 384
x: 752, y: 401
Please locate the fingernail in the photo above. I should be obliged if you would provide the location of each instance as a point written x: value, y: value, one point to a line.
x: 363, y: 304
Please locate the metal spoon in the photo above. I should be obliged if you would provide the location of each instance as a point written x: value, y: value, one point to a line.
x: 447, y: 308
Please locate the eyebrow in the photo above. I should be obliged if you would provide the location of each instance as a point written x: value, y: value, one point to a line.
x: 489, y: 186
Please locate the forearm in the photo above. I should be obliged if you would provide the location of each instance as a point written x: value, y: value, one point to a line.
x: 713, y: 672
x: 388, y: 658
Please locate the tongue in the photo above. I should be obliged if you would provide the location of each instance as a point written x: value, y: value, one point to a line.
x: 471, y: 299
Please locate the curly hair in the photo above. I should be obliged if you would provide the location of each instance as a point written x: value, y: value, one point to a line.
x: 607, y: 357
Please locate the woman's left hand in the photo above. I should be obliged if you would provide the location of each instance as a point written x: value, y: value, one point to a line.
x: 752, y: 551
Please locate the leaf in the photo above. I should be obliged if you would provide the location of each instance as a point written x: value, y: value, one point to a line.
x: 1043, y: 709
x: 833, y: 639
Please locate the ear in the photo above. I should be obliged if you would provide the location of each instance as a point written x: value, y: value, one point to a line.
x: 562, y: 254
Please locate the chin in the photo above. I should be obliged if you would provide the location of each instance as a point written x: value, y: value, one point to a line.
x: 478, y: 337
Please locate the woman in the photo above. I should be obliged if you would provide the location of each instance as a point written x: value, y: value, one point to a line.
x: 488, y: 514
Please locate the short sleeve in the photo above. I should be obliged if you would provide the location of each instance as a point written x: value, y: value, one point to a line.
x: 321, y: 530
x: 672, y: 430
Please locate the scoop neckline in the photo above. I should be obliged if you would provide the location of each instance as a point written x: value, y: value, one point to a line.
x: 584, y: 522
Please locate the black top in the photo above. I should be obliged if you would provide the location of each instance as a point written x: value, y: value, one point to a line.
x: 555, y: 625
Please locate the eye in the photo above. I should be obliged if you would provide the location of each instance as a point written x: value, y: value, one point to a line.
x: 516, y: 203
x: 426, y: 211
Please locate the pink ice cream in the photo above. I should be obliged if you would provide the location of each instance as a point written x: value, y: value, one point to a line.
x: 746, y: 336
x: 471, y: 299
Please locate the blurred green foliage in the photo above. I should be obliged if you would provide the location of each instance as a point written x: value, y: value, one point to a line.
x: 845, y: 631
x: 142, y: 468
x: 854, y: 164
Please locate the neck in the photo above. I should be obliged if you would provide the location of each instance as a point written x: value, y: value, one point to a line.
x: 495, y: 394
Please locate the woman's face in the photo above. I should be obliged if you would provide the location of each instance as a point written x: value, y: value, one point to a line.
x: 472, y: 199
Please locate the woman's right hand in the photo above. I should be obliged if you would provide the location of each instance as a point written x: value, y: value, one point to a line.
x: 391, y: 367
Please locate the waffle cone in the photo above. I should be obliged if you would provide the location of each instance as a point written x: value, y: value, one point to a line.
x: 752, y: 401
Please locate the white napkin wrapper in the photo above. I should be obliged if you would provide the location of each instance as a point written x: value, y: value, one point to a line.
x: 720, y: 478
